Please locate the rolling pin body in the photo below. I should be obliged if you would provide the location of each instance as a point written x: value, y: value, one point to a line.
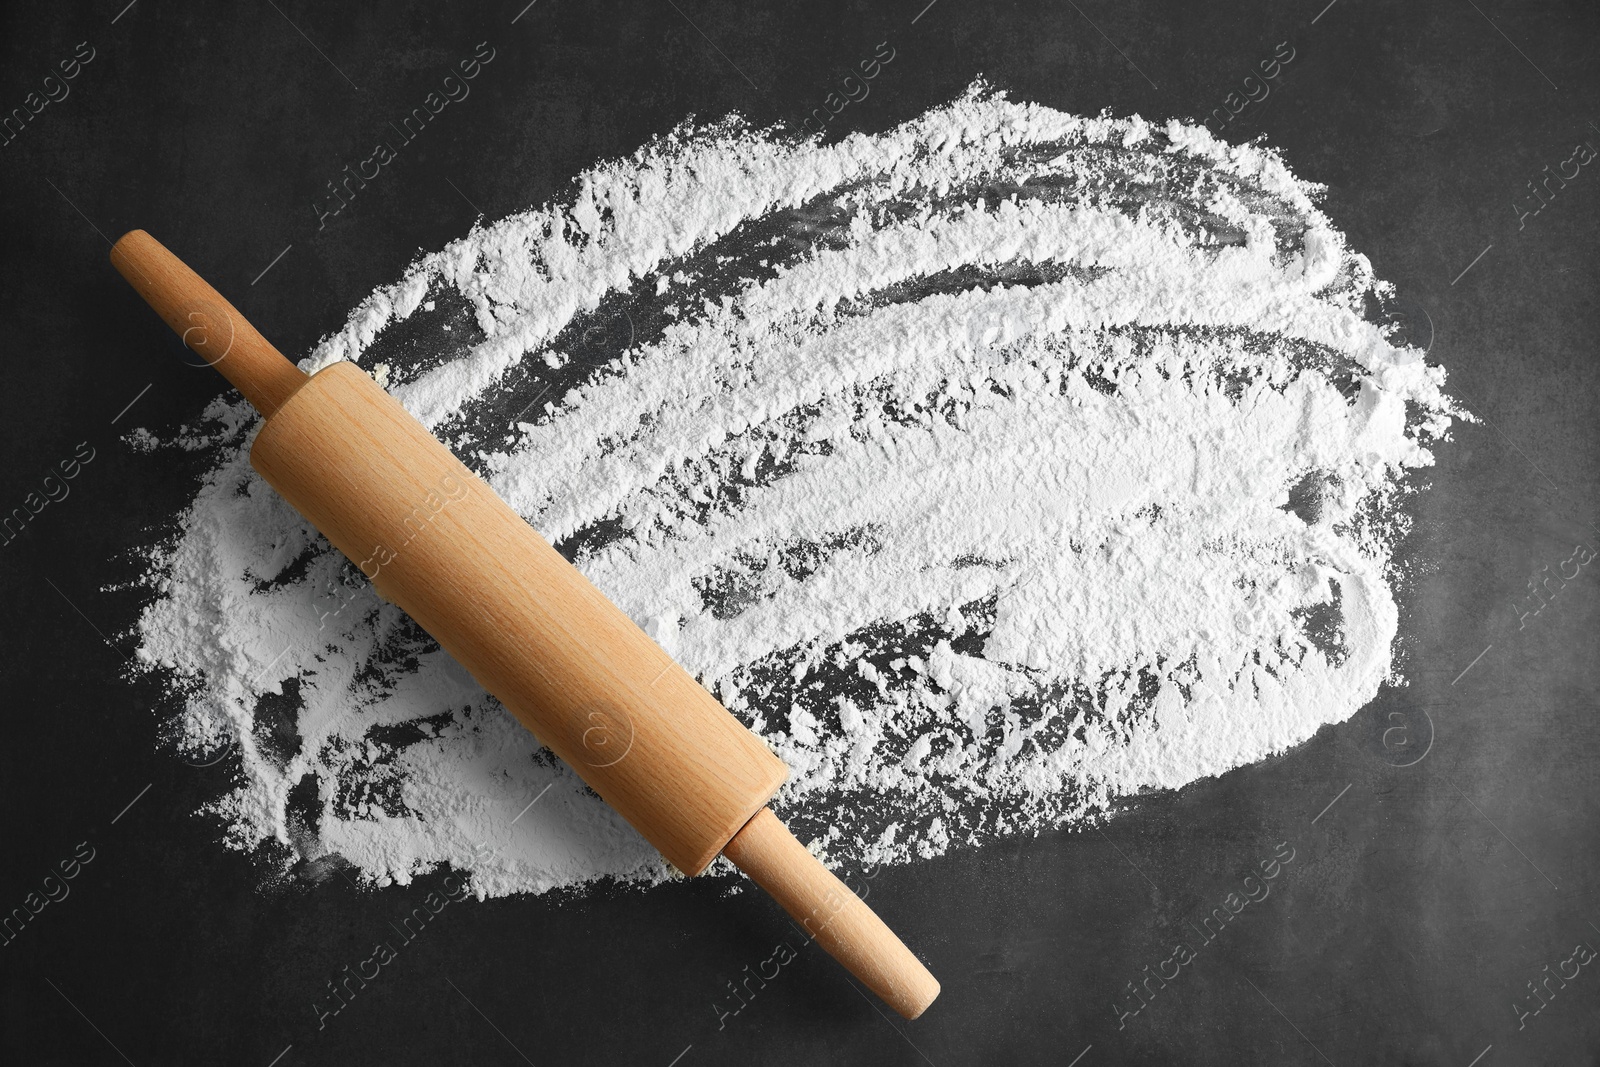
x: 593, y: 687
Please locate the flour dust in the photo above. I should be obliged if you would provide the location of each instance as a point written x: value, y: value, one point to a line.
x: 994, y: 469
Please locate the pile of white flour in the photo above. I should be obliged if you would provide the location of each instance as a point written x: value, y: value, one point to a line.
x: 992, y: 469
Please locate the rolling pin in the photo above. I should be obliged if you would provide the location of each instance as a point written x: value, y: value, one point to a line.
x: 435, y: 540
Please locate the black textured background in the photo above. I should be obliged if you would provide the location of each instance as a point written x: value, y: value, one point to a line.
x: 1416, y: 908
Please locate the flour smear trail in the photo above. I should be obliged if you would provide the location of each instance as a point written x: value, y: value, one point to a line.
x: 994, y: 469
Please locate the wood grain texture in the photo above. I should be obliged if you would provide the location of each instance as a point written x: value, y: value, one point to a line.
x: 831, y: 913
x: 206, y: 322
x: 572, y: 667
x: 437, y: 541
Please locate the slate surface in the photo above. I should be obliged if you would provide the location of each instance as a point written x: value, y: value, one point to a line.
x: 1457, y: 858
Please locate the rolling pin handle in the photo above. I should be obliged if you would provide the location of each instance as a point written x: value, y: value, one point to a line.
x: 832, y: 914
x: 206, y: 322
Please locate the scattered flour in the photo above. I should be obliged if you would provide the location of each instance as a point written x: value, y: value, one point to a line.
x: 994, y: 469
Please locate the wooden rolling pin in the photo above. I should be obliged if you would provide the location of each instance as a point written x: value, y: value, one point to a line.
x: 437, y: 541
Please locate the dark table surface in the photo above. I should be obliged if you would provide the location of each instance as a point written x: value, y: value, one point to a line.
x: 1451, y: 868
